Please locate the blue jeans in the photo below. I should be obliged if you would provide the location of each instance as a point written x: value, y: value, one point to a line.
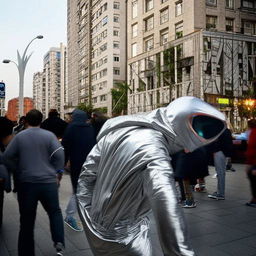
x: 28, y: 196
x: 220, y: 167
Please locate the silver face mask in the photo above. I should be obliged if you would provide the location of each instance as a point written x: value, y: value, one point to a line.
x: 128, y: 174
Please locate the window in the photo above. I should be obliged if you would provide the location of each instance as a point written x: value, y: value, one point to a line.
x: 103, y: 97
x: 248, y: 3
x: 116, y: 18
x: 104, y: 20
x: 134, y: 49
x: 164, y: 15
x: 230, y: 4
x: 229, y: 25
x: 149, y: 4
x: 116, y: 5
x: 116, y: 33
x: 116, y: 71
x: 116, y: 58
x: 164, y: 37
x: 149, y: 23
x: 163, y: 1
x: 134, y: 30
x: 179, y: 30
x: 211, y: 2
x: 178, y: 8
x: 134, y: 9
x: 249, y: 27
x: 116, y: 45
x: 149, y: 44
x: 211, y: 22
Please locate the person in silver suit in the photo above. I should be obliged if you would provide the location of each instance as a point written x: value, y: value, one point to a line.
x: 128, y: 174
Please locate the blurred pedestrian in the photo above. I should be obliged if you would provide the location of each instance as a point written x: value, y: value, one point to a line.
x: 21, y: 125
x: 78, y: 140
x: 221, y: 149
x: 98, y: 119
x: 39, y: 159
x: 188, y: 167
x: 54, y: 123
x: 6, y: 128
x: 251, y: 161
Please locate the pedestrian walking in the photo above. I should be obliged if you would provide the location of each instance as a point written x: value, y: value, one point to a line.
x: 78, y: 140
x: 128, y: 174
x: 6, y: 127
x: 251, y: 161
x: 221, y: 149
x: 54, y: 123
x: 98, y: 119
x: 188, y: 167
x: 39, y: 159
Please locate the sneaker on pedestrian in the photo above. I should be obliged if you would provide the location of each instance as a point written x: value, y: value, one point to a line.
x: 200, y: 188
x: 72, y: 223
x: 251, y: 204
x: 189, y: 203
x: 216, y: 196
x: 59, y: 249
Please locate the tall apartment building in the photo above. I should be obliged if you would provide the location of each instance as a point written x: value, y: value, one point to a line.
x: 101, y: 40
x: 204, y: 48
x: 72, y: 55
x: 50, y: 86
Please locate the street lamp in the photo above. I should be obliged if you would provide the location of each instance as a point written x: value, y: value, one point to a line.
x: 21, y: 65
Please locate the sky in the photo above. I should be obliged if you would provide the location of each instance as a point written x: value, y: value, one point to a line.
x: 20, y: 22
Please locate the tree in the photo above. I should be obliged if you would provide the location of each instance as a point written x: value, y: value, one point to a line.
x: 120, y: 98
x: 86, y: 108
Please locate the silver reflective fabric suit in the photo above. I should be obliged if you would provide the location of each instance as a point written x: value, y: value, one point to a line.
x: 128, y: 174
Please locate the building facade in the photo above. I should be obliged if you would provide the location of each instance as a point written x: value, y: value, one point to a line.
x: 13, y: 108
x: 101, y: 41
x: 204, y: 48
x: 50, y: 86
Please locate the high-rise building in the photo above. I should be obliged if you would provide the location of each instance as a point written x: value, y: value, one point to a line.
x: 72, y: 54
x: 204, y: 48
x: 50, y: 86
x: 13, y: 108
x: 101, y: 41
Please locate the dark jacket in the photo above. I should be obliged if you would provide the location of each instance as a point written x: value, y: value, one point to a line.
x: 192, y: 165
x: 55, y: 125
x: 78, y: 140
x: 223, y: 143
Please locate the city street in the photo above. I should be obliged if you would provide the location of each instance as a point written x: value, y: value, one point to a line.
x: 217, y: 228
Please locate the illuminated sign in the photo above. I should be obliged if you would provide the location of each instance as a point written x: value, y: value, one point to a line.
x: 2, y: 90
x: 224, y: 101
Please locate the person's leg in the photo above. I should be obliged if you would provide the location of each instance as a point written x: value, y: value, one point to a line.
x: 71, y: 209
x: 220, y: 167
x: 189, y: 202
x: 252, y: 179
x: 50, y: 200
x: 1, y: 200
x: 27, y: 199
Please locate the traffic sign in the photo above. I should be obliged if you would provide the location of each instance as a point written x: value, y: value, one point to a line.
x: 2, y: 90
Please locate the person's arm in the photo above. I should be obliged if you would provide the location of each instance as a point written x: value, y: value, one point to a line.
x: 159, y: 185
x: 10, y: 154
x: 56, y: 154
x: 87, y: 178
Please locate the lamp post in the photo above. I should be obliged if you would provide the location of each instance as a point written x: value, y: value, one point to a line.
x: 21, y: 65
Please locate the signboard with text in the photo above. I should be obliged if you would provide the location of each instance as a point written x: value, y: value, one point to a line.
x: 2, y: 90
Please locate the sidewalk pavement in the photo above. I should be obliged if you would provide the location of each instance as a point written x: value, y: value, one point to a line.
x: 216, y: 228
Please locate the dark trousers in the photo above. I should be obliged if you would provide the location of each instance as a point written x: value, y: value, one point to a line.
x: 28, y: 196
x: 1, y: 201
x: 252, y: 179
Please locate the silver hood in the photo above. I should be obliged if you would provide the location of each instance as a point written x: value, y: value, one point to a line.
x: 173, y: 121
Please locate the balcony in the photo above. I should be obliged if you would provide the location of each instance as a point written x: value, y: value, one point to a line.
x: 248, y: 9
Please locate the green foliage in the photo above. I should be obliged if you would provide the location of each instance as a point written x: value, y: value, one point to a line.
x: 101, y: 110
x: 120, y: 98
x: 86, y: 108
